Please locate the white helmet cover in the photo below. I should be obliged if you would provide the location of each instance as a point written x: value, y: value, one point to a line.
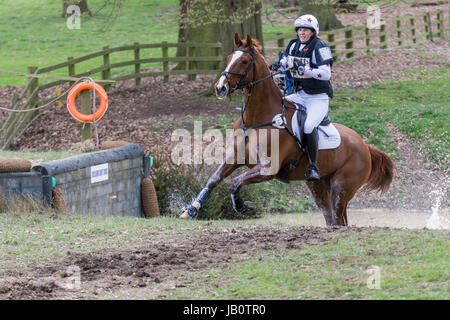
x: 307, y: 21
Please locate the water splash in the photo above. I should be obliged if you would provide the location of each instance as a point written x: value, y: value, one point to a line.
x: 435, y: 221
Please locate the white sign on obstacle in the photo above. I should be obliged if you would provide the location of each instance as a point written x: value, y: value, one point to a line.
x: 99, y: 173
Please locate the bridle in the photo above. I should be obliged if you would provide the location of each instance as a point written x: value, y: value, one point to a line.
x: 249, y: 86
x: 240, y: 84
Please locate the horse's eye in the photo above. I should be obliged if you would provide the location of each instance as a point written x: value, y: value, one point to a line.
x: 244, y: 61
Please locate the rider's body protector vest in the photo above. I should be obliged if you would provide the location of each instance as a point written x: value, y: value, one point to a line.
x: 322, y: 54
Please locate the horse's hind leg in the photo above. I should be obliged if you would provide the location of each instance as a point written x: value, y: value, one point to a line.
x: 340, y: 196
x: 343, y: 189
x: 321, y: 191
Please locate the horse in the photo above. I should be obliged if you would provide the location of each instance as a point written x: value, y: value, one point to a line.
x: 343, y: 170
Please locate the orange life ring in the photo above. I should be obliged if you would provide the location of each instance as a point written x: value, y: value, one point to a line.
x: 87, y: 85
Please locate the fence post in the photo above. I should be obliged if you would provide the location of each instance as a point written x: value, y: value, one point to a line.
x: 441, y: 27
x: 137, y: 66
x: 190, y: 77
x: 218, y: 63
x: 18, y: 121
x: 165, y: 53
x: 330, y: 39
x: 349, y: 44
x: 383, y: 37
x: 71, y: 67
x: 86, y: 103
x: 367, y: 31
x: 399, y: 33
x: 33, y: 86
x: 106, y: 74
x: 430, y: 29
x: 413, y: 30
x: 280, y: 43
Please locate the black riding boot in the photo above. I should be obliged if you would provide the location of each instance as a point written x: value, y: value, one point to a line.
x: 312, y: 142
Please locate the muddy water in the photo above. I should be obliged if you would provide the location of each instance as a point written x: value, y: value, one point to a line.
x: 370, y: 218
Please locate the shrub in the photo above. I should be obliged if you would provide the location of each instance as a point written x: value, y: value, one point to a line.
x: 21, y: 205
x: 177, y: 186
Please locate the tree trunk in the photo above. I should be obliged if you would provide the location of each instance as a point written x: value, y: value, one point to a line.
x: 324, y: 12
x: 230, y: 16
x: 82, y: 4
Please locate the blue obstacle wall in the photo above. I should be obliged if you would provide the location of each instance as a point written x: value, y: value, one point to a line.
x: 105, y: 182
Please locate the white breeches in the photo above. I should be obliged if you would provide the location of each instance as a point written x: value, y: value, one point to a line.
x: 316, y: 108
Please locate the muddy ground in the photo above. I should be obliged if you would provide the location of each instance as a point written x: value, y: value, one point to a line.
x: 107, y: 272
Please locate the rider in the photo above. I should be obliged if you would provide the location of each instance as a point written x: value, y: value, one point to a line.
x: 313, y: 88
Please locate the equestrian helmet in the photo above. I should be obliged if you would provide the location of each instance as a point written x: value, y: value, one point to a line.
x: 307, y: 21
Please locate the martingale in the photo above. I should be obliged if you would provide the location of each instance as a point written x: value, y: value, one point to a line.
x: 295, y: 74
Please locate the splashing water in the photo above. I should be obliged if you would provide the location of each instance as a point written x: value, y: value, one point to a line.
x: 435, y: 221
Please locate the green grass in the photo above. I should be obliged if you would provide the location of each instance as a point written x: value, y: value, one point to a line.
x: 36, y: 156
x: 419, y: 108
x: 34, y: 34
x: 412, y: 264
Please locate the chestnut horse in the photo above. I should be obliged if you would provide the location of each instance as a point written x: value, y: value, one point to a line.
x: 343, y: 170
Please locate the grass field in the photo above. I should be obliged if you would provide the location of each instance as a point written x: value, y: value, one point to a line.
x: 38, y: 156
x: 413, y: 264
x: 34, y: 34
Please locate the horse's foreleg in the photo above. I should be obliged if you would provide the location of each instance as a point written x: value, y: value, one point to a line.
x: 251, y: 176
x: 221, y: 173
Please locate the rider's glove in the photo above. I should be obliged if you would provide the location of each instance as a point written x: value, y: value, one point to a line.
x: 299, y: 66
x: 276, y: 65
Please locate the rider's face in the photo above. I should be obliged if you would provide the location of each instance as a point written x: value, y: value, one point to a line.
x: 304, y: 34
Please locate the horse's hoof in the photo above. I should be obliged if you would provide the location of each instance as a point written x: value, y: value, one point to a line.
x: 185, y: 215
x: 248, y: 210
x: 249, y: 213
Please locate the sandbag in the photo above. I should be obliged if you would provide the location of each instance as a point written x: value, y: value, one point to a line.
x: 149, y: 199
x: 58, y: 201
x: 14, y: 165
x: 112, y: 144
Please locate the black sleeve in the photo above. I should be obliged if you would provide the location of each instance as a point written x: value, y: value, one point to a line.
x: 286, y: 51
x: 323, y: 54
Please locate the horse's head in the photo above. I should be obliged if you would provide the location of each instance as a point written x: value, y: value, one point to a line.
x: 239, y: 66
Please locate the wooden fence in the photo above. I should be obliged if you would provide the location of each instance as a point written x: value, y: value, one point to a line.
x: 29, y: 98
x: 354, y: 42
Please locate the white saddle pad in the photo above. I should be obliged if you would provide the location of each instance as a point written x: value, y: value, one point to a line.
x: 329, y: 137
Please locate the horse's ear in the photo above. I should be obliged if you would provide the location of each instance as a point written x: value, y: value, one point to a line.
x: 237, y: 40
x: 249, y: 41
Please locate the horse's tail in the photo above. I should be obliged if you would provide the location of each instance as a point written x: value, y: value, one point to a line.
x: 382, y: 172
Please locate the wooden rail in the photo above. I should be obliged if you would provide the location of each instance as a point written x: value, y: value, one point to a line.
x: 354, y: 42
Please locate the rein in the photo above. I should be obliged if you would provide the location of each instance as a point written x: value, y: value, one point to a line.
x: 249, y: 86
